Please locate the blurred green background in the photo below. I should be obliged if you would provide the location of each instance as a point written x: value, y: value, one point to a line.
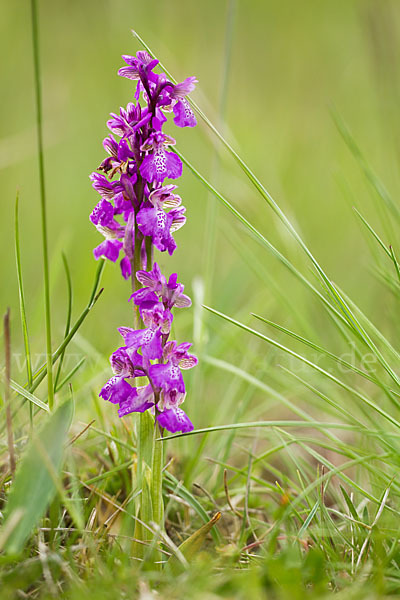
x: 291, y: 64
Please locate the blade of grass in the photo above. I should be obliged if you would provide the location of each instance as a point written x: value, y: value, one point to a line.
x: 283, y: 423
x: 68, y: 321
x: 7, y: 355
x: 40, y: 374
x: 38, y: 98
x: 339, y: 382
x: 23, y: 392
x: 21, y: 294
x: 333, y: 356
x: 308, y: 520
x: 373, y: 179
x: 319, y: 349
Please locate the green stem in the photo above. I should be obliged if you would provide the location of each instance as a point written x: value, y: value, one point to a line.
x: 22, y: 305
x: 38, y: 97
x: 156, y: 484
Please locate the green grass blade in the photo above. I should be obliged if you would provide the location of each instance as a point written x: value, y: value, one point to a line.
x: 40, y: 374
x: 38, y: 98
x: 268, y: 424
x: 210, y: 240
x: 373, y: 179
x: 23, y: 392
x: 372, y: 231
x: 22, y: 295
x: 342, y: 384
x: 308, y: 520
x: 350, y: 505
x: 333, y: 356
x: 68, y: 321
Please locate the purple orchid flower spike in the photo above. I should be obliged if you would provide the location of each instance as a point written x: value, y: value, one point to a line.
x: 138, y: 213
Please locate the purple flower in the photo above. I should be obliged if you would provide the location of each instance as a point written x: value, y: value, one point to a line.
x: 123, y: 124
x: 175, y: 420
x: 160, y: 164
x: 125, y: 267
x: 145, y: 299
x: 140, y: 399
x: 184, y: 116
x: 154, y: 279
x: 157, y: 316
x: 167, y: 377
x: 172, y: 293
x: 109, y: 249
x: 162, y: 197
x: 116, y: 390
x: 102, y: 214
x: 101, y: 184
x: 158, y: 225
x: 171, y: 399
x: 180, y: 90
x: 111, y: 162
x: 178, y: 355
x: 136, y: 64
x: 126, y: 362
x: 148, y: 340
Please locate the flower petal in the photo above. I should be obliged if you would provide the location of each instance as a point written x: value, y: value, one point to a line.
x: 109, y: 249
x: 175, y: 420
x: 184, y: 116
x: 139, y: 400
x: 116, y: 390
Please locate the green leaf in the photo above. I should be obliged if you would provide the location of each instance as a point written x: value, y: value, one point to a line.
x: 308, y: 520
x: 190, y: 547
x: 350, y: 505
x: 18, y: 388
x: 36, y: 479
